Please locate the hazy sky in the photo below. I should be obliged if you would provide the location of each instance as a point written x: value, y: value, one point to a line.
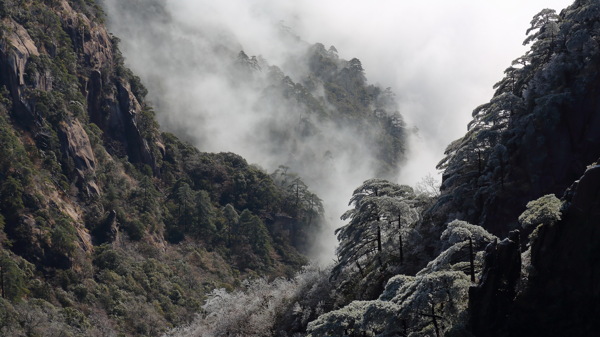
x: 440, y: 57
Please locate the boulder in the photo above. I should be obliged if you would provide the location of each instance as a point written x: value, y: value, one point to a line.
x: 15, y: 51
x: 76, y: 144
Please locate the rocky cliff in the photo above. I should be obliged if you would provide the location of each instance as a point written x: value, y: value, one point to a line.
x: 107, y: 225
x: 557, y: 294
x: 540, y: 134
x: 539, y: 131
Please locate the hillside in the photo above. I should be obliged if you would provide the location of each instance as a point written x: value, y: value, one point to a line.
x: 304, y: 106
x: 108, y: 225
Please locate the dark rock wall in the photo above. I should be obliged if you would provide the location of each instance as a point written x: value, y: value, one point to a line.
x: 561, y: 296
x: 550, y: 132
x: 491, y: 301
x: 99, y: 84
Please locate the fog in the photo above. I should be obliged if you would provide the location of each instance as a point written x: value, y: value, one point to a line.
x: 440, y: 58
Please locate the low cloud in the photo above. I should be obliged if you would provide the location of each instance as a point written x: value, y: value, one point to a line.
x: 440, y: 58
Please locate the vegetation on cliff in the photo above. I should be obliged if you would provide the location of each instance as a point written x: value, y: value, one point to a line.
x: 108, y: 225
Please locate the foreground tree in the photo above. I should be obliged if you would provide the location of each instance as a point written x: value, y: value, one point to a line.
x: 381, y: 214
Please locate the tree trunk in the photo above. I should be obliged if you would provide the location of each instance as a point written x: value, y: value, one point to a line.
x: 502, y: 174
x: 435, y: 323
x: 471, y: 260
x: 479, y: 161
x: 362, y: 273
x: 383, y: 267
x: 400, y: 240
x: 401, y: 249
x: 379, y: 238
x: 2, y: 281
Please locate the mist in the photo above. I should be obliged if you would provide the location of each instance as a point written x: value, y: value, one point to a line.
x: 440, y: 58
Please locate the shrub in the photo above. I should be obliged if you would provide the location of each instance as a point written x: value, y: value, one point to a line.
x: 544, y: 210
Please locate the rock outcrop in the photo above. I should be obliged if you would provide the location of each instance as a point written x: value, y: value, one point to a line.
x: 108, y: 230
x: 76, y: 144
x: 562, y: 297
x: 112, y: 104
x: 491, y: 301
x: 89, y: 38
x: 15, y: 52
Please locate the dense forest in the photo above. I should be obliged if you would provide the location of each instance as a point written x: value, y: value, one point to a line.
x: 111, y: 226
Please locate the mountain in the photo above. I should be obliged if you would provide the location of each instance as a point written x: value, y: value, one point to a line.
x: 108, y: 225
x: 306, y: 109
x: 509, y: 248
x: 111, y: 226
x: 274, y: 99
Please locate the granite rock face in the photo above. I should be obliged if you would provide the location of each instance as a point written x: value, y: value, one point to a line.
x: 561, y: 294
x: 562, y: 297
x: 111, y: 103
x: 76, y: 144
x: 491, y: 301
x: 15, y: 52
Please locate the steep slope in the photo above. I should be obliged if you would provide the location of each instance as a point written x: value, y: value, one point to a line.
x: 539, y: 131
x: 304, y: 106
x: 535, y: 140
x: 556, y: 294
x: 302, y: 110
x: 539, y: 135
x: 107, y: 225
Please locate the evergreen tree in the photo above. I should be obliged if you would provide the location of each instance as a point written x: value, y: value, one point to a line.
x: 382, y: 211
x: 204, y: 217
x: 253, y: 232
x: 230, y: 227
x: 13, y: 279
x: 184, y: 197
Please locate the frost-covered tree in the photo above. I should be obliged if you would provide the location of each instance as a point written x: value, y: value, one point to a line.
x: 400, y: 213
x: 462, y: 244
x: 428, y: 304
x: 357, y: 319
x: 483, y: 176
x: 467, y: 159
x: 382, y: 211
x: 544, y: 210
x: 544, y: 26
x: 258, y: 307
x: 433, y: 302
x: 428, y: 186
